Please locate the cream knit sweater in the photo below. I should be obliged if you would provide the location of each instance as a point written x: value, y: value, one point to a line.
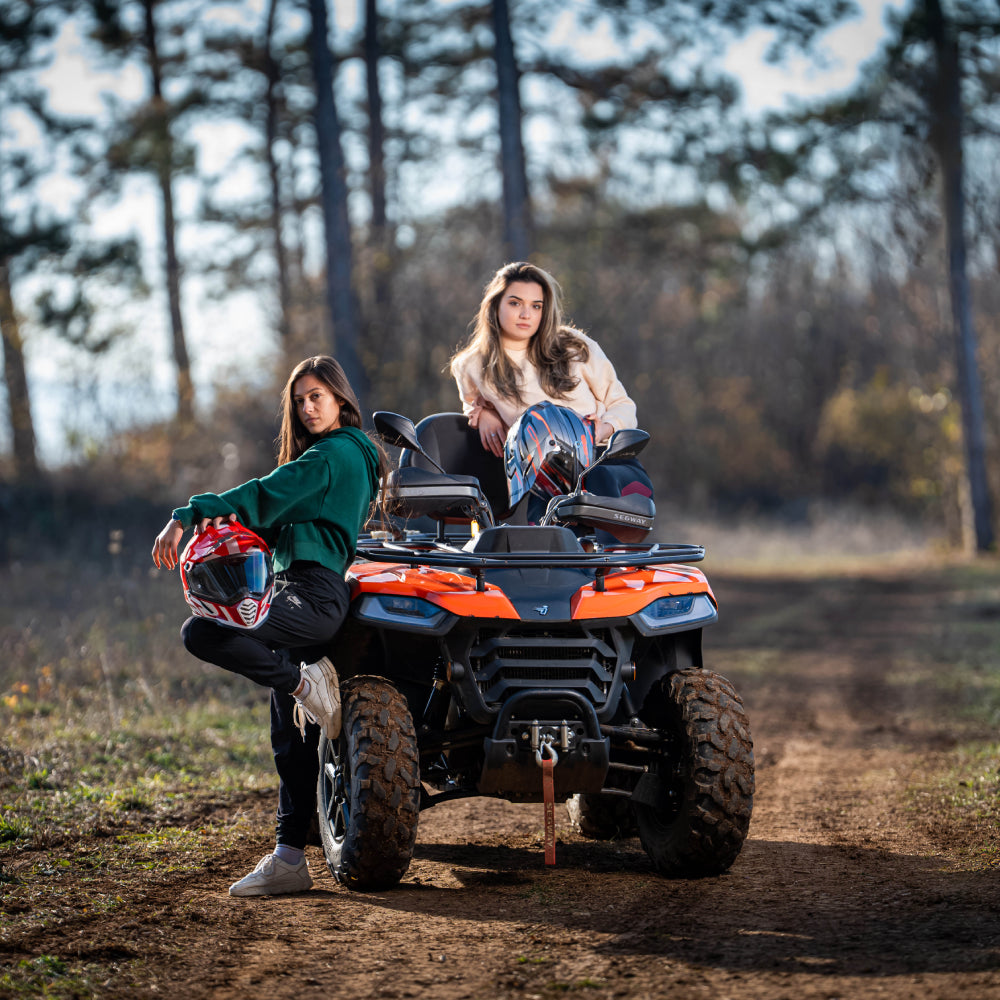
x: 598, y: 393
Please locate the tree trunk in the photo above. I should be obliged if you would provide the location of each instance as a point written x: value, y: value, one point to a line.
x: 185, y: 386
x: 380, y: 236
x: 22, y: 428
x: 516, y: 204
x: 946, y: 109
x: 280, y: 257
x: 346, y: 334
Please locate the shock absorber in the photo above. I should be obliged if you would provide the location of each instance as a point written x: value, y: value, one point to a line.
x: 436, y: 709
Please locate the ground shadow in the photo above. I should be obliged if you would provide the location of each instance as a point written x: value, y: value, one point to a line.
x: 786, y: 906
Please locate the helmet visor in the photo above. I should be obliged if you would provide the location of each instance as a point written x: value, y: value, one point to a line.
x: 560, y: 469
x: 230, y: 578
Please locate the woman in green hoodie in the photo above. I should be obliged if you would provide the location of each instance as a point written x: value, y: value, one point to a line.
x: 309, y: 511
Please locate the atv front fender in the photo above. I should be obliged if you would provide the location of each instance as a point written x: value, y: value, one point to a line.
x: 657, y: 657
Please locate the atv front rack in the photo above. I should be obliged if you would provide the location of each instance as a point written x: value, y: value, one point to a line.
x: 431, y: 552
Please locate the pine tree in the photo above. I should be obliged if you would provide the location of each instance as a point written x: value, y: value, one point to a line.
x: 150, y: 139
x: 339, y: 256
x: 880, y: 149
x: 26, y: 234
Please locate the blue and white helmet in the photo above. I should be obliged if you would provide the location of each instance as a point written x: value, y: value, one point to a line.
x: 546, y: 450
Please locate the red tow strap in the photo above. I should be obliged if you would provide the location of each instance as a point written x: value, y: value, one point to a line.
x: 549, y: 796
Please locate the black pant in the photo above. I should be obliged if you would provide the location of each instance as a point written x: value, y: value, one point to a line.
x: 305, y: 614
x: 619, y: 478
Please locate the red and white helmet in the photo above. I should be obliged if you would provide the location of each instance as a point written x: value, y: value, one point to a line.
x: 228, y: 576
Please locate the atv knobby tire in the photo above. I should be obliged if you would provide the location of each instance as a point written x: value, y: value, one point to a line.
x: 369, y: 787
x: 706, y: 798
x: 601, y: 817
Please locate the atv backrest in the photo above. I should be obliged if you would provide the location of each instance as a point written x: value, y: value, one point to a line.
x: 455, y: 446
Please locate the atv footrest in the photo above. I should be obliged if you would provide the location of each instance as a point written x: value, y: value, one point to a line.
x: 535, y: 722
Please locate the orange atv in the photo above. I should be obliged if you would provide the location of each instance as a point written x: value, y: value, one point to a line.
x: 530, y: 663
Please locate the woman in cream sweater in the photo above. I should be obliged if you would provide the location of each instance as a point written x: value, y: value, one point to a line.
x: 520, y: 352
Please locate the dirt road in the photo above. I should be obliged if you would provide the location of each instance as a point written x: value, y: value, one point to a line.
x: 848, y: 886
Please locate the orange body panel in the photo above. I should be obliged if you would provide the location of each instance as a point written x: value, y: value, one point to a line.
x: 631, y: 590
x: 452, y: 591
x: 625, y: 592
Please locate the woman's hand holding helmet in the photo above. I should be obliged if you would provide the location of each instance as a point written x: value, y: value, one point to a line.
x: 602, y: 429
x: 169, y: 539
x: 215, y: 522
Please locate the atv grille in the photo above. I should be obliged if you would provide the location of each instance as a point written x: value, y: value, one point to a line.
x: 546, y: 674
x: 579, y: 661
x: 531, y: 653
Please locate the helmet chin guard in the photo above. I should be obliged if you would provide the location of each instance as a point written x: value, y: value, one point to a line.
x: 546, y: 450
x: 228, y: 576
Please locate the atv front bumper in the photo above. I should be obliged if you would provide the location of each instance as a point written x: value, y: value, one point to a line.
x: 536, y: 724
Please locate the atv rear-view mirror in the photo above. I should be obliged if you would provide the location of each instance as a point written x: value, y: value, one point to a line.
x: 399, y: 431
x: 396, y: 430
x: 625, y: 444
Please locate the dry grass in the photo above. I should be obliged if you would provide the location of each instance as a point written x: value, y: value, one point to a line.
x: 812, y: 540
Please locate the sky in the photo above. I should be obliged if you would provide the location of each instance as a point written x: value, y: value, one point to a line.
x: 846, y: 48
x: 214, y: 328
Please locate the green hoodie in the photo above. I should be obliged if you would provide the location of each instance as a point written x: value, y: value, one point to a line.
x: 311, y: 508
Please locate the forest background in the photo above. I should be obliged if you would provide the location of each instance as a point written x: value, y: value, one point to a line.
x: 802, y: 300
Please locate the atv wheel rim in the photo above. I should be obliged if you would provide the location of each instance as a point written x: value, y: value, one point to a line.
x: 336, y: 799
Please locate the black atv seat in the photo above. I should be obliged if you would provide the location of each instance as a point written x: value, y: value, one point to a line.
x: 455, y: 446
x: 414, y: 493
x: 411, y: 476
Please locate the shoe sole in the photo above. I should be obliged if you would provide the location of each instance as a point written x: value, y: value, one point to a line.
x: 246, y: 893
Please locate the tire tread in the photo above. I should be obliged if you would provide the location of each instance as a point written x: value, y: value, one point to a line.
x: 379, y: 733
x: 717, y: 773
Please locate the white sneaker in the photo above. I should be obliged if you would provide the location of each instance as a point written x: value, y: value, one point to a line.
x: 273, y: 877
x: 321, y: 703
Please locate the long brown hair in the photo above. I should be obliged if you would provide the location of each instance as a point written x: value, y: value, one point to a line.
x: 293, y: 438
x: 552, y: 350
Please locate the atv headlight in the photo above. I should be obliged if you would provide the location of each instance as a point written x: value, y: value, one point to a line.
x: 401, y: 611
x: 668, y: 614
